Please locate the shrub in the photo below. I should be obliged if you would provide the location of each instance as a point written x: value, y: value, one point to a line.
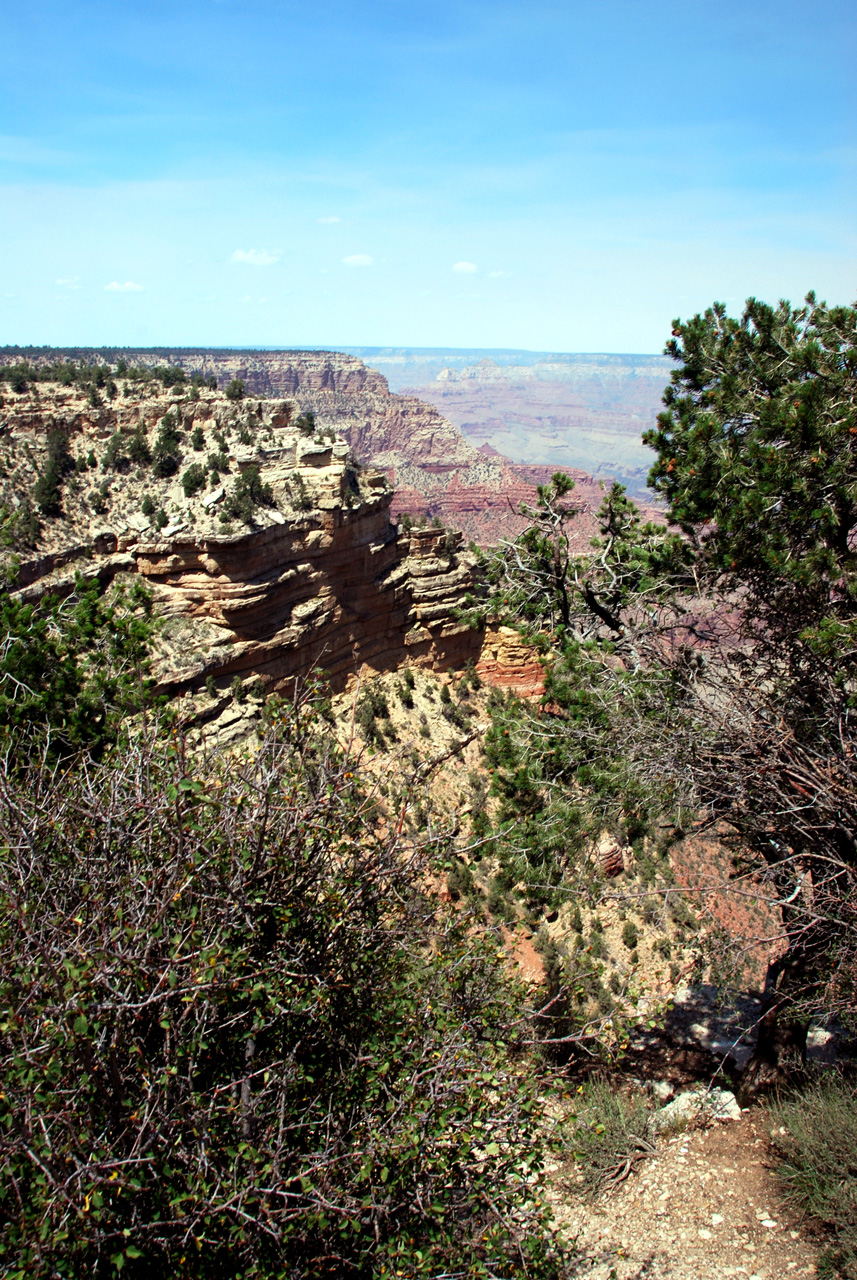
x: 20, y: 528
x: 197, y: 439
x: 281, y: 1040
x: 235, y: 390
x: 217, y: 462
x: 301, y: 499
x: 305, y: 423
x: 170, y: 375
x: 115, y: 456
x: 248, y: 492
x: 47, y: 491
x: 193, y: 479
x: 238, y: 689
x: 406, y: 697
x: 147, y: 506
x: 161, y: 519
x: 819, y: 1165
x: 70, y: 670
x: 167, y: 454
x: 99, y: 499
x: 630, y: 937
x: 138, y: 448
x: 610, y: 1131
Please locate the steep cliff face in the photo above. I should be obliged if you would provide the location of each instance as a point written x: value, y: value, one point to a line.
x: 314, y: 574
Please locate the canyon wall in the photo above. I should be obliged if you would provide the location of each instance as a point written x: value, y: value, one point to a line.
x: 433, y: 468
x: 317, y: 575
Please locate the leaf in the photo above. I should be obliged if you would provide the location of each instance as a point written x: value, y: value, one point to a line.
x: 81, y: 1026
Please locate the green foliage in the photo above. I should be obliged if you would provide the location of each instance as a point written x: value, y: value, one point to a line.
x: 161, y: 519
x: 630, y: 936
x: 819, y: 1164
x: 758, y: 443
x: 193, y: 479
x: 138, y: 448
x: 170, y: 375
x: 99, y: 499
x: 217, y: 462
x: 47, y: 491
x: 19, y: 527
x: 372, y: 707
x: 197, y: 439
x: 248, y: 493
x: 305, y: 423
x: 71, y: 670
x: 235, y: 389
x: 166, y: 456
x: 232, y: 1022
x: 147, y: 506
x: 238, y: 689
x: 211, y: 686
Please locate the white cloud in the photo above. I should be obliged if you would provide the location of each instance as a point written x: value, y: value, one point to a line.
x: 68, y: 282
x: 329, y: 221
x: 128, y: 287
x: 466, y: 268
x: 358, y: 260
x: 255, y: 257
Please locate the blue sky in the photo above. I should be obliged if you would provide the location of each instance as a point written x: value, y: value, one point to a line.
x: 553, y: 176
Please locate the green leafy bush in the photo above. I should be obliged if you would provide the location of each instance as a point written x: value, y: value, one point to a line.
x: 235, y: 389
x: 248, y: 493
x: 166, y: 456
x: 228, y: 1049
x: 193, y: 479
x: 70, y: 670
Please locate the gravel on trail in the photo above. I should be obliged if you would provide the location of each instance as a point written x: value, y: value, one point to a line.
x: 706, y: 1206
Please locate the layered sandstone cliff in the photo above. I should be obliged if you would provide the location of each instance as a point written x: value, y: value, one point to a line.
x: 318, y: 576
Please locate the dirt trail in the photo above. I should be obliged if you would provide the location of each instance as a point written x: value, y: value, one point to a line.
x: 707, y: 1205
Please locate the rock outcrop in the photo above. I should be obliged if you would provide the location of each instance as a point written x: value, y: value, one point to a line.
x: 314, y: 574
x: 433, y: 468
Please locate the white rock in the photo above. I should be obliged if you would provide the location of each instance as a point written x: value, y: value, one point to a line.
x: 711, y: 1104
x: 662, y: 1090
x: 215, y: 496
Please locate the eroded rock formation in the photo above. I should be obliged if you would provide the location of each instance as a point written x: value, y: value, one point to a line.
x: 316, y: 575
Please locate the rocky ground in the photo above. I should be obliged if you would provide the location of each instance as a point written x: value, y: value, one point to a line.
x: 706, y: 1204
